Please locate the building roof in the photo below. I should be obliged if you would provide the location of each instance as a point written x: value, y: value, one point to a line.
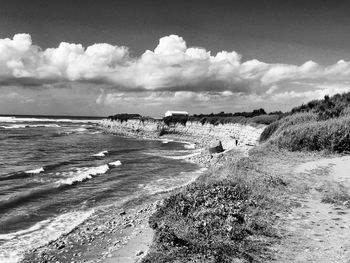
x: 173, y: 112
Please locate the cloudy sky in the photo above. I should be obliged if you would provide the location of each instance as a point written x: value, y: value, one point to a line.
x: 96, y: 58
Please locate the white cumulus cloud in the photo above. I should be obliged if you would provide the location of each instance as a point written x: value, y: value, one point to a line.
x: 171, y: 67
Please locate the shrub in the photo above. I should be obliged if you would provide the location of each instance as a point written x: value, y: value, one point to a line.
x: 295, y: 119
x: 268, y: 131
x: 203, y: 221
x: 278, y: 126
x: 264, y: 119
x: 162, y: 131
x: 173, y: 120
x: 329, y: 107
x: 218, y: 220
x: 345, y: 111
x: 332, y: 135
x: 124, y: 117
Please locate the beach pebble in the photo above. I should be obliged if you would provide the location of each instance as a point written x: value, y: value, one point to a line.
x: 128, y: 225
x: 60, y: 246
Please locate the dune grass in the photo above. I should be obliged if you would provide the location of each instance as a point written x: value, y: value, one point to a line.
x: 283, y: 124
x: 321, y: 125
x: 331, y: 135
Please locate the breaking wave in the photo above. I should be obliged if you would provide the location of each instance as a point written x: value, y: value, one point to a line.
x: 15, y: 119
x: 17, y: 243
x: 100, y: 154
x: 116, y: 163
x: 23, y: 126
x: 73, y: 177
x: 35, y: 171
x: 83, y: 174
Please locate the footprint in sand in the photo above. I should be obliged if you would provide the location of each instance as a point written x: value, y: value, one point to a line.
x: 342, y: 213
x: 337, y: 208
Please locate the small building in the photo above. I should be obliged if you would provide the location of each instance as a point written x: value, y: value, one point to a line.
x: 176, y: 113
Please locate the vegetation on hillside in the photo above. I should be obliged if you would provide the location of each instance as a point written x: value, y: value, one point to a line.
x: 173, y: 120
x: 124, y: 117
x: 315, y: 126
x: 258, y: 116
x: 329, y: 107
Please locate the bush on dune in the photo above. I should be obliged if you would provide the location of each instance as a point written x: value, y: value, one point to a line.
x: 268, y: 131
x: 124, y: 117
x: 320, y: 125
x: 173, y: 120
x: 331, y: 135
x: 216, y: 120
x: 329, y: 107
x: 265, y: 119
x: 217, y: 220
x: 279, y: 126
x: 295, y: 119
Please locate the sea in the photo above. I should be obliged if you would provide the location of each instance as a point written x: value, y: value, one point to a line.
x: 57, y: 171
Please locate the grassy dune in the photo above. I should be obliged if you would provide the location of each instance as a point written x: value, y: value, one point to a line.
x: 322, y: 125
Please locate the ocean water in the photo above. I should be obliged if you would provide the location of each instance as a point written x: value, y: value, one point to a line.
x: 55, y: 172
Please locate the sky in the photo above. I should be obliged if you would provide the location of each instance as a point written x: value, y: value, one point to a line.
x: 97, y: 58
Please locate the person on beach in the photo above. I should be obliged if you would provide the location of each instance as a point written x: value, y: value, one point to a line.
x: 236, y: 142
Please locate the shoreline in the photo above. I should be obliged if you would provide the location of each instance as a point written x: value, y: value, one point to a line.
x: 124, y: 232
x: 201, y: 136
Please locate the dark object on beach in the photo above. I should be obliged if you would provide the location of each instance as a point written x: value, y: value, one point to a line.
x: 122, y: 213
x: 162, y: 131
x: 236, y: 142
x: 216, y: 147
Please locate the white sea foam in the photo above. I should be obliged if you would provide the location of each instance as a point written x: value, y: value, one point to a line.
x: 167, y: 140
x: 17, y: 243
x: 79, y: 130
x: 182, y: 157
x: 35, y: 171
x: 22, y: 126
x: 116, y: 163
x: 15, y: 126
x: 190, y: 146
x: 83, y: 174
x: 96, y: 132
x: 100, y: 154
x: 169, y: 184
x: 7, y: 119
x: 14, y: 119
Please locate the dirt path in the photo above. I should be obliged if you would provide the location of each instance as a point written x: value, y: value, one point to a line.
x: 317, y: 231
